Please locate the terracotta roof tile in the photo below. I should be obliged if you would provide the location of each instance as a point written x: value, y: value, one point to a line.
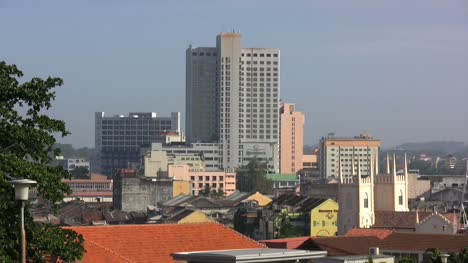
x: 289, y: 243
x: 362, y: 232
x: 420, y: 242
x: 155, y: 243
x: 340, y: 246
x: 397, y: 220
x: 396, y: 241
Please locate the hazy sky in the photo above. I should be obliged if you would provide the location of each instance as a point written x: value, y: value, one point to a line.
x: 395, y: 69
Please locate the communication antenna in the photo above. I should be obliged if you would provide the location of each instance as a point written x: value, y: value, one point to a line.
x: 463, y: 218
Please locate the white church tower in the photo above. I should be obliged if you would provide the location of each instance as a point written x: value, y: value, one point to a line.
x: 355, y: 198
x: 359, y: 197
x: 391, y: 190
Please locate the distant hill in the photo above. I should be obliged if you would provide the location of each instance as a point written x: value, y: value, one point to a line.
x: 439, y: 146
x: 308, y: 149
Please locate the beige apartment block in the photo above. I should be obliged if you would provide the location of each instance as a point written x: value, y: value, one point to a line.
x: 217, y: 180
x: 156, y: 162
x: 347, y: 151
x: 310, y: 161
x: 292, y: 139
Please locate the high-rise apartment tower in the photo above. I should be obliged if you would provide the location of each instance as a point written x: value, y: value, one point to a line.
x: 292, y: 139
x: 232, y: 97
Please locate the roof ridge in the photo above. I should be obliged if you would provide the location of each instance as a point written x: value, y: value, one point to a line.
x: 239, y: 234
x: 435, y: 214
x: 110, y: 251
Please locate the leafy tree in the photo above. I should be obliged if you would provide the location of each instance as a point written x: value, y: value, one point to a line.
x: 26, y: 141
x: 432, y: 256
x: 211, y: 192
x: 461, y: 257
x: 252, y: 178
x: 285, y: 228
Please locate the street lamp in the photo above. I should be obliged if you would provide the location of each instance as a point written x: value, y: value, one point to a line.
x: 21, y: 194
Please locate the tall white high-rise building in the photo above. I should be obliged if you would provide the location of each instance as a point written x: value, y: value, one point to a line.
x: 235, y: 93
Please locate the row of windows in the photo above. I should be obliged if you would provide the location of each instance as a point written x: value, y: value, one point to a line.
x: 351, y: 149
x: 160, y: 128
x: 257, y: 69
x: 261, y: 62
x: 259, y: 55
x: 136, y: 122
x: 201, y: 54
x: 207, y: 178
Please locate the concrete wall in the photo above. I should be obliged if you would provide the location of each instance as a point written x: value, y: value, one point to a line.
x: 181, y: 187
x: 320, y: 190
x: 137, y: 193
x: 155, y: 161
x: 418, y: 188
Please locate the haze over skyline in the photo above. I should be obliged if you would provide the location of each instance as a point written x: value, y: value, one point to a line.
x: 396, y: 69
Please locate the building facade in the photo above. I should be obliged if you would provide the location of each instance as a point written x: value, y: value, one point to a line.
x: 292, y: 139
x: 209, y: 152
x: 335, y: 150
x: 119, y: 138
x: 216, y: 180
x: 232, y: 98
x: 71, y: 164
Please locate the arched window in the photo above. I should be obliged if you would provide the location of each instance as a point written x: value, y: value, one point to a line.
x: 366, y: 200
x: 400, y: 198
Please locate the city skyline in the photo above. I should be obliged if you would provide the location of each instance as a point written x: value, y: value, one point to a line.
x: 350, y: 70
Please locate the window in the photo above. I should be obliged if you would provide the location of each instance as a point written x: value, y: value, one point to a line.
x: 366, y: 201
x: 400, y: 198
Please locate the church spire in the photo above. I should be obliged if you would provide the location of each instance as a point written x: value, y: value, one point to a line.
x: 406, y: 168
x: 388, y: 164
x: 394, y: 165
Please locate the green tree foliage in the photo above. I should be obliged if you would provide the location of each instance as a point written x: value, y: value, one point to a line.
x: 433, y: 255
x: 68, y: 151
x: 284, y: 227
x: 252, y: 178
x: 26, y: 141
x: 211, y: 192
x: 461, y: 257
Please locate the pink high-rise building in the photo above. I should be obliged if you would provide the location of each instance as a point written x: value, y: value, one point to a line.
x: 292, y: 139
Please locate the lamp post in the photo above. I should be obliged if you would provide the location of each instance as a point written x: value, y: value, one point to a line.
x: 22, y: 195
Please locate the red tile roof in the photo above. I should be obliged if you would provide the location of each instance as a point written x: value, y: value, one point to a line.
x: 395, y: 241
x: 421, y: 242
x: 404, y: 220
x: 398, y: 220
x: 155, y: 243
x: 369, y: 232
x: 341, y: 246
x: 289, y: 243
